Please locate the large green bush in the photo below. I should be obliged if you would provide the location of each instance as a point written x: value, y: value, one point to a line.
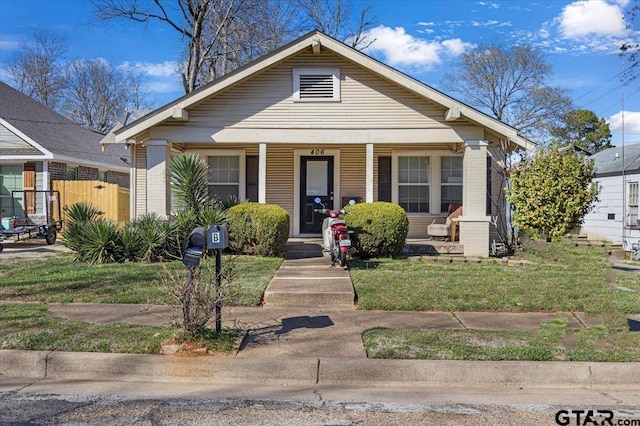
x: 255, y: 228
x: 380, y: 229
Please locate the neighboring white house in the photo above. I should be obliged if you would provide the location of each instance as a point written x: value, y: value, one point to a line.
x: 615, y: 215
x: 317, y: 118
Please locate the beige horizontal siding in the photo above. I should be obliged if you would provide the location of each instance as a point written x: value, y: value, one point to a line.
x: 353, y: 171
x: 280, y: 179
x: 367, y: 101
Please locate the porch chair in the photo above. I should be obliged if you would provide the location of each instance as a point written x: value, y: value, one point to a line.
x: 442, y: 226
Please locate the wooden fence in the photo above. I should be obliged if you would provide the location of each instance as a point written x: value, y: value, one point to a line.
x: 109, y: 198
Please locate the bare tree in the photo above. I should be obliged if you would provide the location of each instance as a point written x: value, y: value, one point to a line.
x: 511, y: 84
x: 221, y: 35
x: 94, y: 89
x: 334, y: 18
x: 36, y: 68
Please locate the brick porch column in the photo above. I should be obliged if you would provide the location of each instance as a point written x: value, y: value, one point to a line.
x: 474, y: 224
x: 158, y: 156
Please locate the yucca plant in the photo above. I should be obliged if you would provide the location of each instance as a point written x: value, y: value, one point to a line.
x: 151, y: 230
x: 189, y: 181
x: 81, y: 212
x: 99, y: 241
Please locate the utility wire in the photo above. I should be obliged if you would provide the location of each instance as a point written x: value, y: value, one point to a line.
x: 602, y: 84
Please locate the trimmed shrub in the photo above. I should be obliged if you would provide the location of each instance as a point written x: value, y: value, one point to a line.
x: 380, y: 229
x: 260, y: 229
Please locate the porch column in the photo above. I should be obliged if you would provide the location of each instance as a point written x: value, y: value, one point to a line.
x: 157, y: 194
x: 262, y: 173
x: 474, y: 224
x: 369, y: 173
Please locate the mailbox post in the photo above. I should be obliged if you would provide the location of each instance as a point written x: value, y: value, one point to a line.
x: 218, y: 240
x: 215, y: 238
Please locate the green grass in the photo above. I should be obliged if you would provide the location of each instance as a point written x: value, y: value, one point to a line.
x: 59, y: 279
x: 562, y: 277
x: 553, y: 342
x: 32, y: 327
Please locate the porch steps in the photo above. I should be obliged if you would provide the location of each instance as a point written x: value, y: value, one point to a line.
x: 306, y: 278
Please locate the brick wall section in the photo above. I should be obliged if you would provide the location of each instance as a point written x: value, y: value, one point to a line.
x: 87, y: 173
x: 58, y: 171
x: 121, y: 179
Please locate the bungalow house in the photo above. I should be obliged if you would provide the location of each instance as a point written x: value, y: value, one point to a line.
x: 38, y: 146
x: 615, y: 215
x: 317, y: 118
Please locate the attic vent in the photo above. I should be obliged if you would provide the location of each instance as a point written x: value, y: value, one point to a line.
x: 316, y: 84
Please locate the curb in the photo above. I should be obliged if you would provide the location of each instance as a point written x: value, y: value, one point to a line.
x: 314, y: 371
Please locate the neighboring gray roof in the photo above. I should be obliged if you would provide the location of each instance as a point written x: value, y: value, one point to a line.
x: 55, y: 133
x: 609, y: 161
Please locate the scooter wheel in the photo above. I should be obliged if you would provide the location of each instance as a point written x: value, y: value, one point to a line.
x: 343, y: 259
x: 50, y: 238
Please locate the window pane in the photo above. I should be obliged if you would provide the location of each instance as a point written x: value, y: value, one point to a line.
x: 224, y: 169
x: 450, y: 194
x: 223, y: 192
x: 414, y: 199
x: 413, y: 169
x: 10, y: 180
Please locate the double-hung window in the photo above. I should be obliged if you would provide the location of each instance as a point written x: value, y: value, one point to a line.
x: 450, y: 181
x: 413, y: 183
x: 633, y: 204
x: 224, y: 176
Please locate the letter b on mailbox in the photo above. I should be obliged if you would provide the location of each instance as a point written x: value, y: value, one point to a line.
x: 217, y: 237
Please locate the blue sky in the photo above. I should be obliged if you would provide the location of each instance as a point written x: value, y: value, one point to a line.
x: 422, y: 38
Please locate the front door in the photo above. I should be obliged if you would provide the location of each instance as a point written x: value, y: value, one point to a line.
x: 316, y: 180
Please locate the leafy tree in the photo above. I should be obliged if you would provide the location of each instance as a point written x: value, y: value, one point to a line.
x: 584, y: 129
x: 551, y: 192
x: 510, y: 82
x: 36, y: 68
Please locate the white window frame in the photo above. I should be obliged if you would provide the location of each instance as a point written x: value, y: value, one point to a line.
x: 460, y: 184
x: 633, y: 198
x: 241, y: 153
x: 335, y: 75
x: 434, y: 177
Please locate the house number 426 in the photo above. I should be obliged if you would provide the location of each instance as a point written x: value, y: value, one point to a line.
x: 317, y: 151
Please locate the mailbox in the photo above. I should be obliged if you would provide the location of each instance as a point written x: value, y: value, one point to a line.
x: 217, y: 237
x: 196, y: 245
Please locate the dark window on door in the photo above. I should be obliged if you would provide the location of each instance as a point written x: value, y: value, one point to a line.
x: 384, y: 179
x: 252, y: 163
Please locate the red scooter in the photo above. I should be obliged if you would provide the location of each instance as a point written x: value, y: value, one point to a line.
x: 335, y: 233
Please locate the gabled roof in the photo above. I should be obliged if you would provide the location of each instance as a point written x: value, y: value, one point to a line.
x: 609, y: 161
x: 177, y: 108
x: 55, y: 136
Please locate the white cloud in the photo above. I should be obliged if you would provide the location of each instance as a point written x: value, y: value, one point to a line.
x: 162, y: 69
x: 404, y: 50
x: 598, y: 17
x: 631, y: 122
x: 489, y: 4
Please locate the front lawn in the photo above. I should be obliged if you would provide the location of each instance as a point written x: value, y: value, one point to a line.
x: 58, y: 279
x: 561, y: 277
